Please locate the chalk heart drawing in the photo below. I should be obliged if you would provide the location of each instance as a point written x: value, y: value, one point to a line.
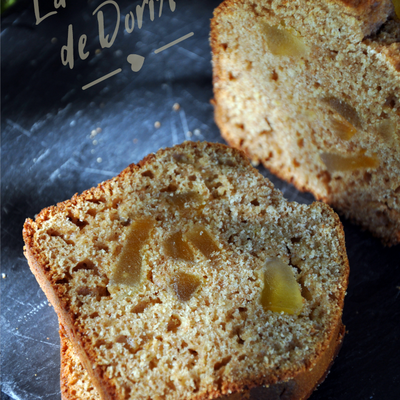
x: 136, y: 62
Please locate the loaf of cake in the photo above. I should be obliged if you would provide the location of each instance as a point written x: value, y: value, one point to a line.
x: 188, y: 276
x: 311, y: 89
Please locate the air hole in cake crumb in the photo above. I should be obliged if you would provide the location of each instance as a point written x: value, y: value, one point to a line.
x: 296, y: 164
x: 194, y: 353
x: 242, y: 357
x: 124, y: 340
x: 148, y: 174
x: 219, y: 382
x: 224, y: 46
x: 102, y: 342
x: 240, y: 126
x: 141, y: 306
x: 227, y: 162
x: 171, y: 385
x: 222, y: 363
x: 94, y: 315
x: 231, y: 77
x: 192, y: 178
x: 125, y: 221
x: 76, y: 221
x: 255, y: 203
x: 98, y: 292
x: 215, y: 194
x: 78, y: 305
x: 53, y: 233
x: 390, y: 101
x: 231, y: 239
x: 62, y: 281
x: 101, y: 246
x: 249, y: 65
x: 236, y: 332
x: 173, y: 324
x: 116, y: 202
x: 196, y: 382
x: 150, y: 276
x: 274, y: 76
x: 305, y: 292
x: 85, y: 265
x: 127, y: 392
x: 324, y: 177
x: 172, y: 187
x: 66, y: 279
x: 295, y: 240
x: 92, y: 212
x: 397, y: 191
x: 153, y: 363
x: 367, y: 177
x: 102, y: 291
x: 270, y: 155
x: 96, y: 201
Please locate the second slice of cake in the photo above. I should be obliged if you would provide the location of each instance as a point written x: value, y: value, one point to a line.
x: 311, y: 89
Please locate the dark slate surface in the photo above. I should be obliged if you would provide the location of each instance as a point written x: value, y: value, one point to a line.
x: 50, y: 150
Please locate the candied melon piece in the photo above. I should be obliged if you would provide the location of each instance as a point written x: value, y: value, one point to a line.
x: 336, y: 162
x: 342, y: 128
x: 185, y: 285
x: 202, y: 239
x: 129, y: 267
x: 284, y: 42
x: 180, y: 199
x: 386, y: 130
x: 281, y: 292
x: 176, y: 248
x: 343, y: 109
x: 396, y: 4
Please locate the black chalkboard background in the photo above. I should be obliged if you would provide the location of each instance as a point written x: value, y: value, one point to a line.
x: 58, y: 139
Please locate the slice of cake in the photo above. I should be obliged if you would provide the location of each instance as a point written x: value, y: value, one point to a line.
x: 188, y: 276
x: 311, y: 89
